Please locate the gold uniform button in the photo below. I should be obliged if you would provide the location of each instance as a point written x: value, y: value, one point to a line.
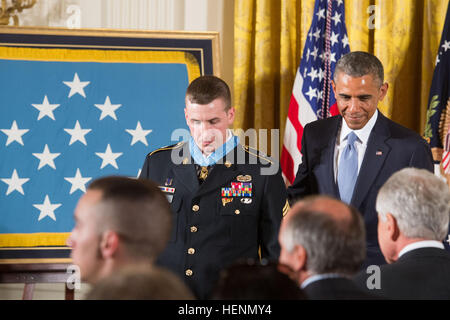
x: 194, y: 229
x: 189, y: 272
x: 191, y: 251
x: 195, y: 208
x: 237, y: 211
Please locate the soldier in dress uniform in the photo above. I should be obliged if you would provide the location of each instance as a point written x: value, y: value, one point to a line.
x: 225, y: 206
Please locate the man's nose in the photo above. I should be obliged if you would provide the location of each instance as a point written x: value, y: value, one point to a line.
x: 353, y: 105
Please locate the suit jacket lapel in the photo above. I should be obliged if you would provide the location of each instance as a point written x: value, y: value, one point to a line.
x: 376, y: 153
x: 326, y: 171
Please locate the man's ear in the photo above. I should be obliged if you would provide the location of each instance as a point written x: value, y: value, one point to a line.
x: 392, y: 227
x: 383, y: 91
x: 230, y: 115
x: 300, y: 258
x: 109, y: 244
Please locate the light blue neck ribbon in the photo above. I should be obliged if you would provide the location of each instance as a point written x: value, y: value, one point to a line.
x: 214, y: 157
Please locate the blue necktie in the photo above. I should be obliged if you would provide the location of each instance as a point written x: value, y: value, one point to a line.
x: 348, y: 169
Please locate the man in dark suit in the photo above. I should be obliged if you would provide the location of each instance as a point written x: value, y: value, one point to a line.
x: 414, y: 209
x: 227, y: 199
x: 351, y: 155
x: 322, y: 241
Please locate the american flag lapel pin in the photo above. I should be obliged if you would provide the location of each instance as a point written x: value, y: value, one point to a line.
x: 379, y: 153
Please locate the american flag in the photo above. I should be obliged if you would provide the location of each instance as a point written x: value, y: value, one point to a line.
x: 312, y: 96
x: 65, y: 123
x: 446, y: 154
x: 439, y: 98
x: 437, y: 125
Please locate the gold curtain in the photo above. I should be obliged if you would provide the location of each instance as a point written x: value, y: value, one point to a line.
x: 269, y: 38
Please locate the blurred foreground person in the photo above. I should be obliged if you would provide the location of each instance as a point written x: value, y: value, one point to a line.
x: 119, y: 221
x: 252, y: 280
x: 323, y: 241
x: 137, y: 283
x: 413, y: 216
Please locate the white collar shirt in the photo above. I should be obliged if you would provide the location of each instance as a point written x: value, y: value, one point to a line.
x: 360, y: 144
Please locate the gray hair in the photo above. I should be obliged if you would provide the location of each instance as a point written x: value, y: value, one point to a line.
x: 358, y: 64
x: 419, y: 201
x: 332, y: 245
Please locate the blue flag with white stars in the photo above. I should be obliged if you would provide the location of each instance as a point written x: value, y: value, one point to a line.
x: 63, y: 124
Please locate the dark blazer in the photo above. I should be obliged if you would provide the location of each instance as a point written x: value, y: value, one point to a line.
x: 390, y: 148
x: 336, y: 289
x: 219, y: 232
x: 418, y: 274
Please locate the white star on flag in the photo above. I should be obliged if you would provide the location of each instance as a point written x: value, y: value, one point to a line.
x: 108, y: 157
x: 45, y: 109
x: 47, y: 209
x: 138, y: 134
x: 334, y: 38
x: 77, y: 134
x: 14, y: 134
x: 321, y: 75
x: 311, y: 93
x: 46, y: 158
x: 446, y: 45
x: 336, y: 18
x: 320, y: 14
x: 333, y: 57
x: 78, y: 182
x: 317, y: 34
x: 313, y: 74
x: 15, y: 183
x: 76, y: 86
x: 108, y: 109
x: 314, y: 53
x: 345, y: 41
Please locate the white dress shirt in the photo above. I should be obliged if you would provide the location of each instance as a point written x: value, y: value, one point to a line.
x: 318, y: 277
x: 421, y: 244
x: 361, y: 144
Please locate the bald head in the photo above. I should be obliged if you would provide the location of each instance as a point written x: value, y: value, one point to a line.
x: 329, y: 206
x: 331, y: 232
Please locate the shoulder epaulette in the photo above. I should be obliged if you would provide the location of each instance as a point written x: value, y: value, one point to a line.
x: 179, y: 144
x: 255, y: 153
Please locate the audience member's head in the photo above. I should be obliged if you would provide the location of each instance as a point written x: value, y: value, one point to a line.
x: 322, y: 235
x: 119, y: 221
x: 138, y: 283
x: 248, y: 279
x: 413, y: 205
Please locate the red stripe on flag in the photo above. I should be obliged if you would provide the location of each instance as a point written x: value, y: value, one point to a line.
x: 293, y: 117
x: 287, y: 164
x: 334, y: 110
